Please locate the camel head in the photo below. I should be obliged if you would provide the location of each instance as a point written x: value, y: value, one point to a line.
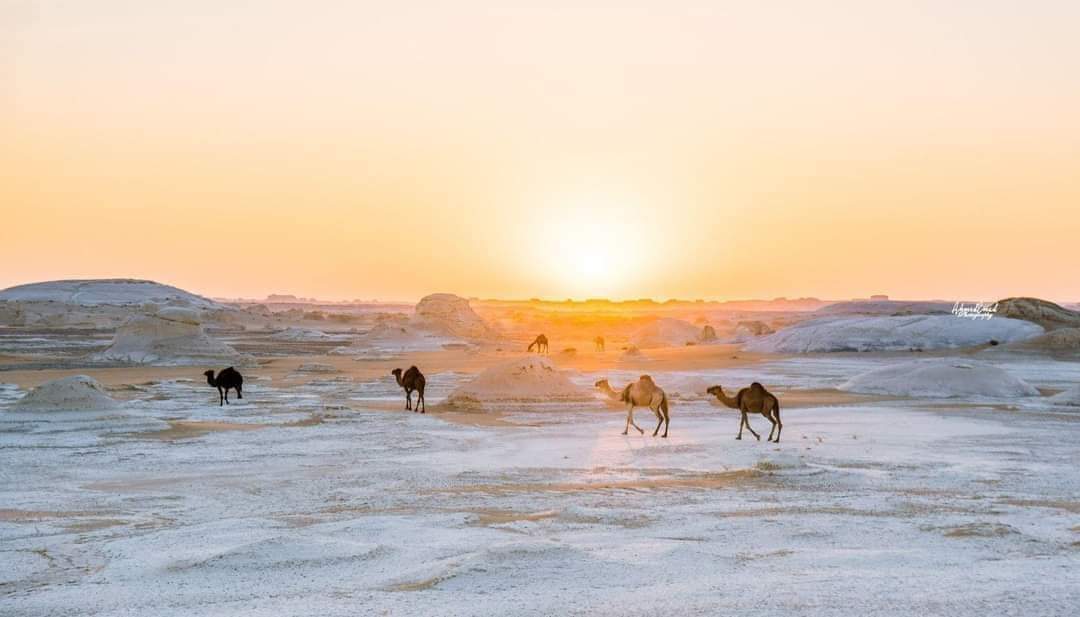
x: 602, y: 384
x: 716, y: 390
x: 208, y: 373
x: 396, y: 373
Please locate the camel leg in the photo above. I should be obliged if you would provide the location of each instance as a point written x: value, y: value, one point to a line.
x: 408, y: 400
x: 667, y: 424
x: 742, y: 421
x: 750, y: 428
x: 779, y: 426
x: 773, y: 429
x: 659, y: 421
x: 420, y: 402
x: 221, y: 397
x: 630, y: 420
x: 239, y: 392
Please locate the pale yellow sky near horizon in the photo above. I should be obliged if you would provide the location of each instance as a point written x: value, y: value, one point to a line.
x: 663, y: 149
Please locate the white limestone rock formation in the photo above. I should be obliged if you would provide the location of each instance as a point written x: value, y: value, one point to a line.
x: 940, y: 378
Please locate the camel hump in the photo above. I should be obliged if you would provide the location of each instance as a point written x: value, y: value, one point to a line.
x: 757, y: 387
x: 646, y: 378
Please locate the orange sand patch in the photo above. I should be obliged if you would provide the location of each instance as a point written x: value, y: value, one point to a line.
x: 187, y: 429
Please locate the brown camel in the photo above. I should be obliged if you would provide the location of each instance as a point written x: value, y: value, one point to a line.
x: 540, y: 343
x: 412, y: 380
x: 599, y: 343
x: 755, y: 399
x: 645, y: 393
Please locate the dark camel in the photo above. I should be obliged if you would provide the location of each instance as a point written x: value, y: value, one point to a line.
x: 413, y: 379
x: 755, y: 399
x: 540, y: 343
x: 599, y: 343
x: 226, y: 379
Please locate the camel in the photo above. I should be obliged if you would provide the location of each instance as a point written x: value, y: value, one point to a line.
x: 413, y: 379
x: 599, y: 343
x: 540, y: 343
x: 645, y: 393
x: 755, y: 399
x: 226, y: 378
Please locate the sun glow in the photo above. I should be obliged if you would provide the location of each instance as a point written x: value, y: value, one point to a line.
x: 592, y: 247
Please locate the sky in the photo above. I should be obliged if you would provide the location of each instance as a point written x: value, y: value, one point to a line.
x: 657, y: 149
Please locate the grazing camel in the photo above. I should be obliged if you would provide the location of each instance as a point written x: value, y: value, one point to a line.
x: 645, y: 393
x: 413, y: 379
x: 226, y: 378
x: 755, y: 399
x: 540, y: 343
x: 599, y: 343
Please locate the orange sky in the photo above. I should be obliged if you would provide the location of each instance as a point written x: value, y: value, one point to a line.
x: 388, y: 150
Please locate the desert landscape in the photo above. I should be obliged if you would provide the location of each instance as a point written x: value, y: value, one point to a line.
x: 927, y: 460
x: 498, y: 308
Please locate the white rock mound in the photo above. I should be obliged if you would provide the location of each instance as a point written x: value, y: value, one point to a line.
x: 893, y: 334
x: 113, y: 292
x: 75, y: 393
x: 690, y: 388
x: 391, y: 336
x: 172, y: 336
x: 307, y: 335
x: 666, y: 332
x: 531, y: 379
x: 940, y: 378
x: 451, y: 315
x: 1068, y: 398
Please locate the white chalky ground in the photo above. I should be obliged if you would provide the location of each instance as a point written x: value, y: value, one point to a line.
x: 902, y: 507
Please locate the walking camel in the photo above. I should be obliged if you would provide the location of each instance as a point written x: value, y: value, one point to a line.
x: 540, y: 343
x: 226, y: 378
x: 755, y: 399
x: 645, y: 393
x: 599, y: 343
x: 413, y: 379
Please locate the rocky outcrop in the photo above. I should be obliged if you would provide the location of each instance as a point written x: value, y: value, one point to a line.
x: 450, y: 315
x: 1047, y: 314
x: 74, y: 393
x: 917, y: 332
x: 172, y: 336
x: 940, y: 378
